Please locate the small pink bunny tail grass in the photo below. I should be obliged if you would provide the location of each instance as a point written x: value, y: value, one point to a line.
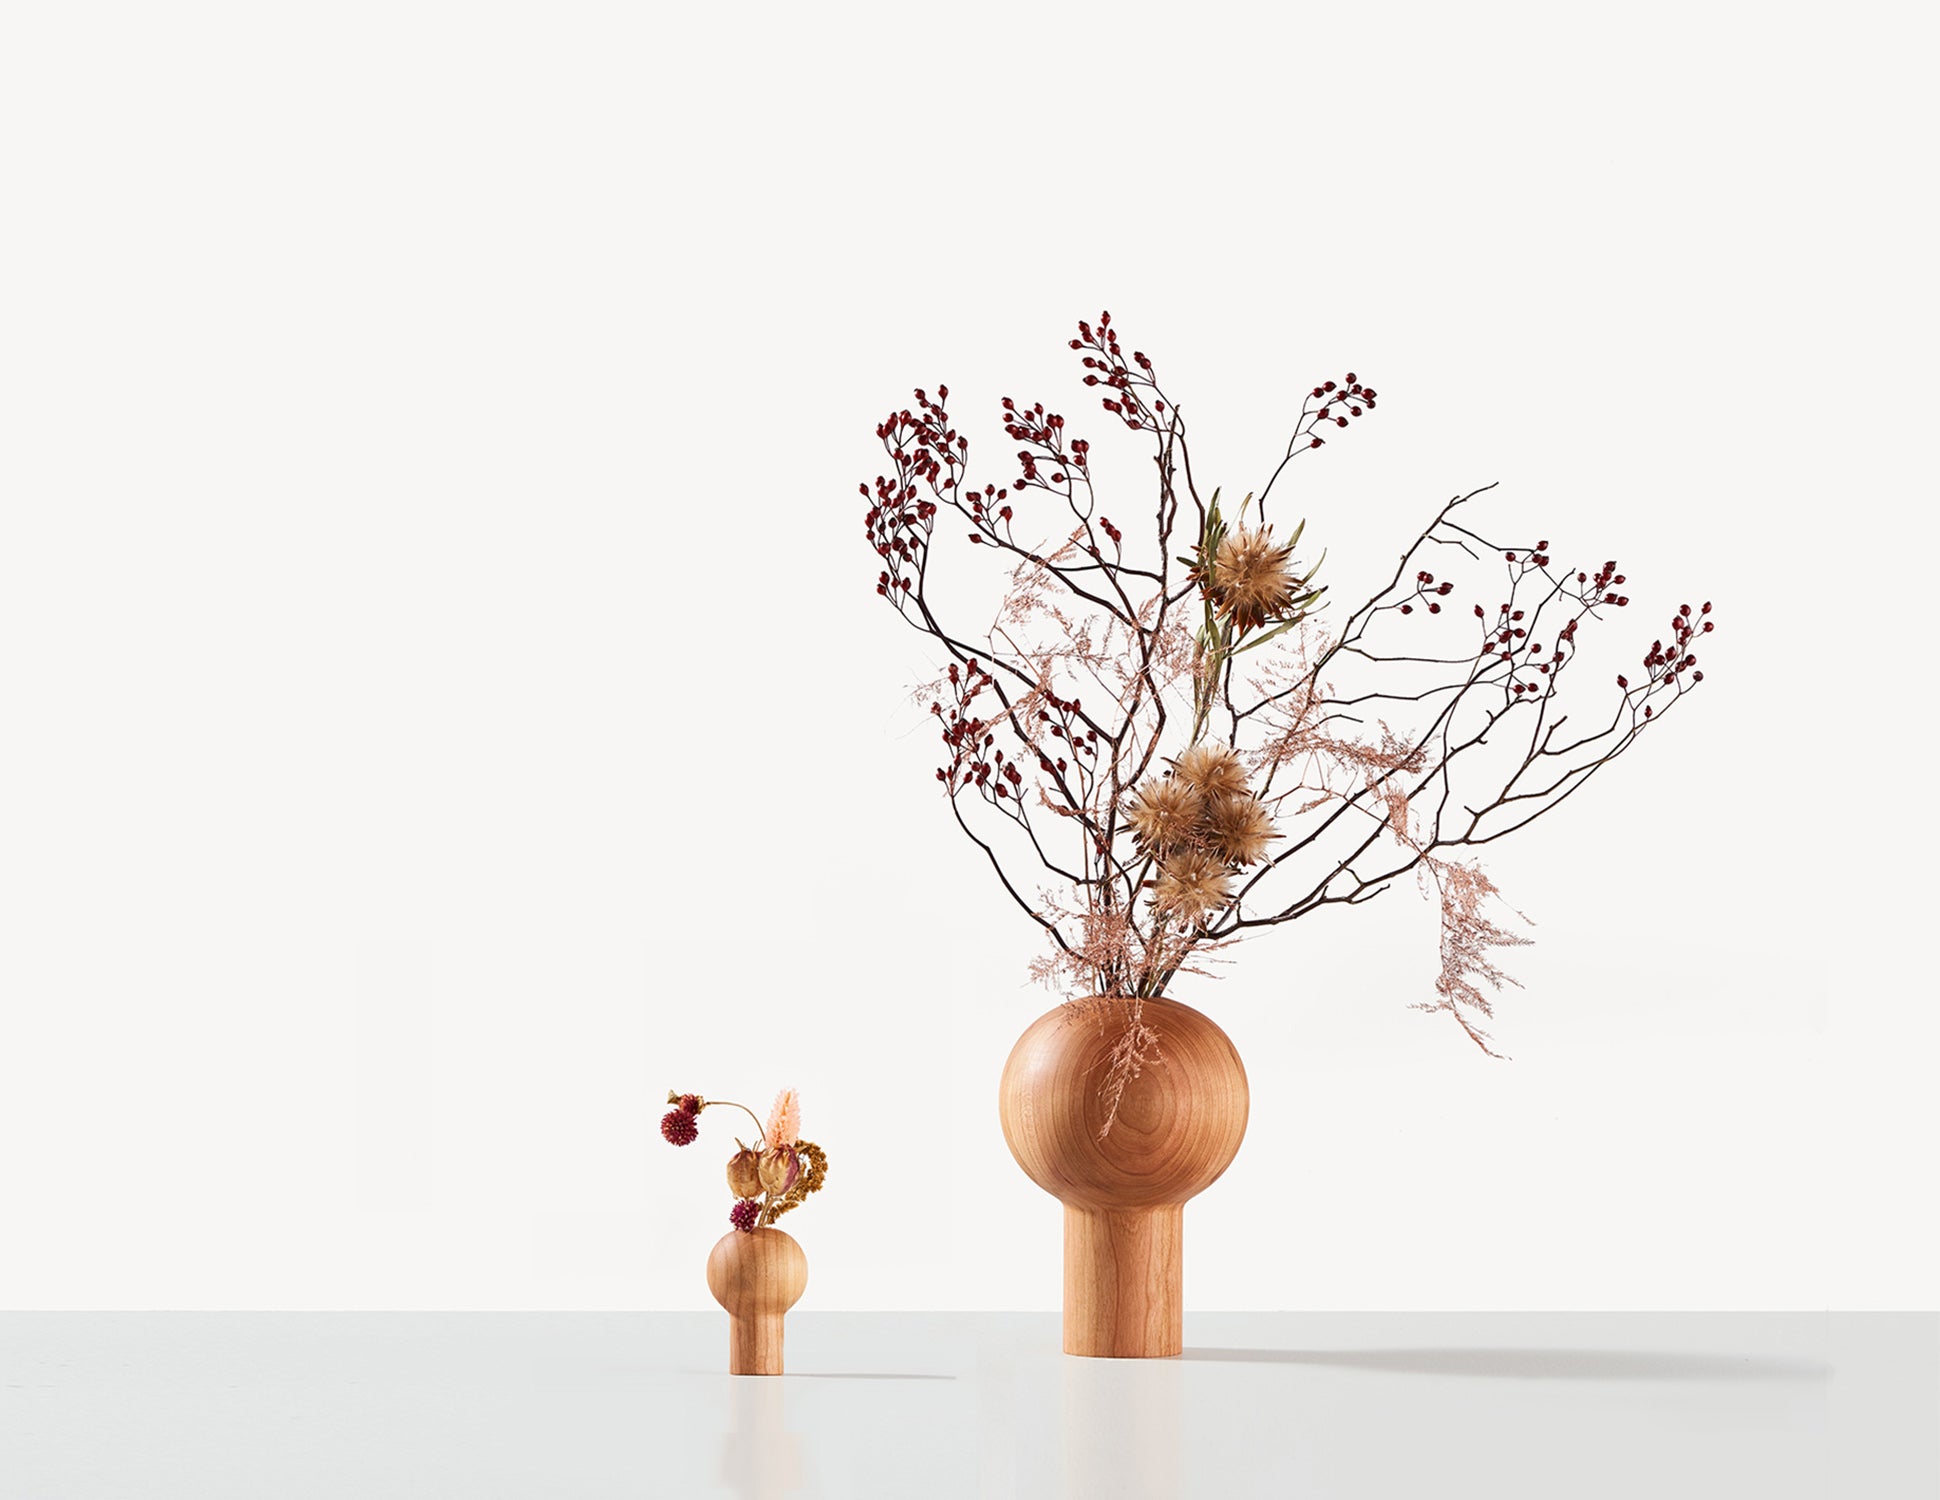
x: 784, y: 1125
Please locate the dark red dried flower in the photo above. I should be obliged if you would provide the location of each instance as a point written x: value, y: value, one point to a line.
x: 743, y: 1215
x: 678, y: 1127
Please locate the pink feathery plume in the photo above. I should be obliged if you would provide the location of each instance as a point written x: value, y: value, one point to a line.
x: 784, y: 1126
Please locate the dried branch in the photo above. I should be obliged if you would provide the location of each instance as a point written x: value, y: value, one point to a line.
x: 1384, y: 747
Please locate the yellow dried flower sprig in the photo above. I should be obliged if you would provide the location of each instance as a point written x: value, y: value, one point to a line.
x: 815, y: 1167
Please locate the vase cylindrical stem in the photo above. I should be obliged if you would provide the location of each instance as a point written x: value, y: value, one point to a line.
x: 754, y: 1344
x: 1123, y: 1281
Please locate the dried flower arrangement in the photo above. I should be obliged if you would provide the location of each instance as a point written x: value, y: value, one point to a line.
x: 1221, y: 782
x: 775, y: 1174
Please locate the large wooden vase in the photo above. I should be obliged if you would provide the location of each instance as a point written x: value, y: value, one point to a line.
x: 1178, y: 1126
x: 757, y: 1277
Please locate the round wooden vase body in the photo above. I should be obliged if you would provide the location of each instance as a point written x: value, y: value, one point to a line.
x: 1178, y: 1126
x: 757, y: 1277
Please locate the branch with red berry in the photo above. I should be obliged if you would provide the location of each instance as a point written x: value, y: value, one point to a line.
x: 1160, y: 747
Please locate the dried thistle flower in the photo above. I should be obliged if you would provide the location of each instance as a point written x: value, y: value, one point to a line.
x: 744, y: 1215
x: 1165, y: 813
x: 784, y: 1119
x: 1211, y: 770
x: 1252, y: 578
x: 744, y: 1173
x: 1194, y: 884
x: 1239, y: 828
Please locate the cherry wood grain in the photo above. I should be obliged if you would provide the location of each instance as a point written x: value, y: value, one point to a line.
x: 1178, y: 1127
x: 757, y: 1277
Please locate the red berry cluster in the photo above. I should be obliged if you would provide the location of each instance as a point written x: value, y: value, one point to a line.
x: 1604, y: 584
x: 971, y: 739
x: 1044, y: 432
x: 988, y: 508
x: 1668, y: 663
x: 1427, y: 588
x: 1531, y: 671
x: 1138, y: 403
x: 1507, y: 639
x: 966, y: 735
x: 928, y: 454
x: 1340, y: 402
x: 1061, y: 719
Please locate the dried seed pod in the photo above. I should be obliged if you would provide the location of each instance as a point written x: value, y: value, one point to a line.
x: 779, y: 1167
x: 744, y: 1173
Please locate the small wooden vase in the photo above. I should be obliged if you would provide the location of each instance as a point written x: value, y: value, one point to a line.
x: 1179, y: 1125
x: 757, y: 1277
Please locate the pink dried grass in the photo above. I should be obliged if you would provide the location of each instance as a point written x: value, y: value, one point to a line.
x: 784, y: 1125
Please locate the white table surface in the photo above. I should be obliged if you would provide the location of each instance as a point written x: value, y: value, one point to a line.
x: 285, y: 1406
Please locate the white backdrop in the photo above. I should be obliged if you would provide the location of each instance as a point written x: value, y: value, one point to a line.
x: 443, y: 705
